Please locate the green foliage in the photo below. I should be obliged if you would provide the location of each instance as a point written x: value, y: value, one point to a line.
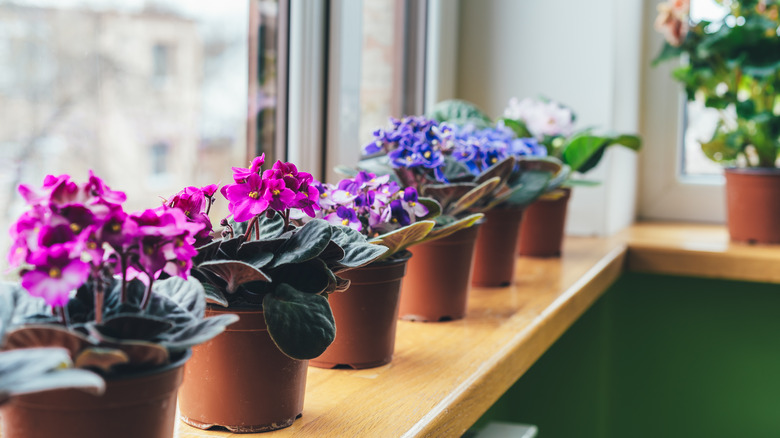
x: 735, y: 69
x: 584, y: 151
x: 287, y: 272
x: 459, y: 112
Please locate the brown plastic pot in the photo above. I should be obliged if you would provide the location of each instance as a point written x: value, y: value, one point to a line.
x: 438, y: 278
x: 753, y: 204
x: 541, y: 231
x: 240, y: 380
x: 138, y: 405
x: 495, y: 253
x: 366, y: 316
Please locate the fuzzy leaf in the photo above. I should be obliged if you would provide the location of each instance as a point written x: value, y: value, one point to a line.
x: 357, y: 251
x: 34, y: 370
x: 214, y: 294
x: 301, y: 324
x: 307, y: 243
x: 446, y: 230
x: 483, y: 190
x: 198, y: 333
x: 434, y: 208
x: 311, y: 276
x: 234, y: 272
x: 102, y: 358
x: 17, y: 306
x: 445, y: 194
x: 400, y: 239
x: 459, y: 112
x: 133, y: 326
x: 29, y: 336
x: 502, y: 170
x: 530, y: 186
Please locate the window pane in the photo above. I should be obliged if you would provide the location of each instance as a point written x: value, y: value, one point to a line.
x: 152, y: 95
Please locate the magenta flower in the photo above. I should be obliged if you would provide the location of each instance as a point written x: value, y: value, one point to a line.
x: 245, y: 200
x: 55, y: 275
x: 277, y: 194
x: 241, y: 174
x: 97, y: 188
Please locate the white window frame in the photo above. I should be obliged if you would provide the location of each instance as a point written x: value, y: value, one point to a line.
x: 665, y: 193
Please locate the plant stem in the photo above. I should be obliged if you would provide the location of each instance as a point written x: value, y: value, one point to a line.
x: 147, y: 293
x: 252, y: 224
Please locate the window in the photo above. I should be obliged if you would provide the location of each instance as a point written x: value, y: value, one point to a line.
x: 80, y: 90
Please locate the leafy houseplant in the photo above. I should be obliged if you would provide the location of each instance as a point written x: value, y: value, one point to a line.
x: 366, y: 313
x: 277, y: 276
x: 733, y: 65
x: 141, y: 321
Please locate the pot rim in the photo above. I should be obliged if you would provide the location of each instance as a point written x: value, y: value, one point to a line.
x: 768, y: 171
x: 395, y: 259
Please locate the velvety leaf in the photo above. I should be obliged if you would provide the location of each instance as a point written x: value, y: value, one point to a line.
x: 400, y: 239
x: 501, y: 170
x: 357, y: 250
x: 134, y: 293
x: 177, y: 300
x: 332, y: 252
x: 300, y: 324
x: 269, y: 228
x: 35, y: 370
x: 434, y: 208
x: 228, y: 248
x: 257, y: 253
x: 46, y: 336
x: 18, y: 306
x: 459, y: 112
x: 445, y: 194
x: 531, y: 185
x: 206, y: 252
x: 454, y: 171
x: 311, y: 276
x: 457, y: 225
x: 478, y: 193
x: 100, y: 358
x: 133, y: 326
x: 198, y: 333
x: 308, y: 242
x: 234, y: 272
x: 214, y: 294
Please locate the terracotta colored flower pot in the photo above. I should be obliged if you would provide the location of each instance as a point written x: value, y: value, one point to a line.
x: 241, y: 381
x: 438, y: 278
x: 139, y: 405
x: 753, y: 204
x: 494, y: 257
x: 366, y: 316
x: 541, y: 231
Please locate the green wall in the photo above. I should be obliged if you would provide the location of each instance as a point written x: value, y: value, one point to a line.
x: 659, y: 356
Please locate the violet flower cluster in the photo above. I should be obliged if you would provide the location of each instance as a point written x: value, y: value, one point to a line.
x: 371, y: 204
x: 76, y: 234
x: 479, y: 149
x: 278, y: 189
x: 414, y: 142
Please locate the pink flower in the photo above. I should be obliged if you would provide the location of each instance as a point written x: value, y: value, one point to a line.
x: 245, y: 200
x: 55, y: 275
x: 240, y: 174
x: 672, y: 21
x: 277, y: 194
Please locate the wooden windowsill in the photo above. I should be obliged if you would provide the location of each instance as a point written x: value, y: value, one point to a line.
x: 444, y: 376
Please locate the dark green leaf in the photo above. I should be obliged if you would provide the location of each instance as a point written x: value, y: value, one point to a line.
x: 311, y: 276
x: 300, y: 324
x: 444, y: 194
x: 482, y: 191
x: 133, y: 326
x: 307, y: 242
x: 453, y: 226
x: 501, y: 170
x: 434, y: 208
x: 234, y: 272
x: 531, y: 185
x: 518, y: 127
x: 201, y: 331
x: 357, y: 250
x: 402, y: 238
x: 214, y: 294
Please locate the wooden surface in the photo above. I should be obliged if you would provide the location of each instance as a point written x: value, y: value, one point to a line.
x: 444, y: 376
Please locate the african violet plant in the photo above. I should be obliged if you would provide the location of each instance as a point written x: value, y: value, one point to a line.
x: 552, y: 125
x: 464, y: 172
x: 378, y: 208
x: 110, y: 287
x: 263, y: 260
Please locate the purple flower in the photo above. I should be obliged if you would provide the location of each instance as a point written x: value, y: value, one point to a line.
x: 411, y: 204
x: 345, y: 216
x: 55, y: 275
x: 398, y: 214
x: 98, y: 189
x: 278, y: 195
x: 527, y: 147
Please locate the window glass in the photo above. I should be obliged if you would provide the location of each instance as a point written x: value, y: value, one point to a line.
x: 152, y: 95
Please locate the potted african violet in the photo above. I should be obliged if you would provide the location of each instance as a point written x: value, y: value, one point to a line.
x: 552, y: 125
x: 366, y: 313
x: 490, y: 149
x: 731, y: 64
x: 418, y: 152
x: 112, y: 289
x: 276, y: 276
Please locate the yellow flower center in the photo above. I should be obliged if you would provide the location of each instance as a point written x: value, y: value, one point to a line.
x: 91, y: 245
x: 55, y: 272
x: 179, y: 242
x: 148, y: 250
x: 115, y: 227
x: 427, y: 154
x: 345, y: 222
x: 394, y: 220
x: 75, y: 228
x: 254, y: 195
x: 493, y: 160
x: 409, y: 158
x: 323, y: 195
x: 276, y: 192
x: 412, y: 203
